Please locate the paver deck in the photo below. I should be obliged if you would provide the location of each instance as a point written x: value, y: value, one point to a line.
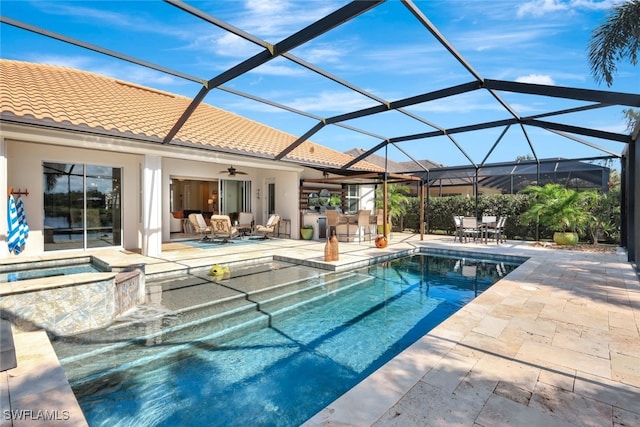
x: 554, y: 343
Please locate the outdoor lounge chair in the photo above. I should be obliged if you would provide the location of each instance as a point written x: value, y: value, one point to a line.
x: 221, y: 228
x: 199, y: 225
x: 269, y: 228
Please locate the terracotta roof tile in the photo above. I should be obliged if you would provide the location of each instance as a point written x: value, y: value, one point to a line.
x: 84, y: 100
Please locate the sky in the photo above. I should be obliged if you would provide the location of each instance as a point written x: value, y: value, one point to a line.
x: 385, y: 52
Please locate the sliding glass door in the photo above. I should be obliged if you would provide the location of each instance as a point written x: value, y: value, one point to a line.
x: 82, y: 206
x: 235, y: 197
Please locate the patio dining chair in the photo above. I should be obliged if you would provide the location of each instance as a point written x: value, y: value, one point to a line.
x: 469, y: 228
x: 457, y: 220
x: 333, y: 219
x: 498, y: 230
x: 364, y: 224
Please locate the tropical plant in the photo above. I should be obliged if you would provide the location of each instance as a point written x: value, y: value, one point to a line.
x: 397, y: 200
x: 631, y: 117
x: 617, y: 38
x: 604, y: 214
x: 559, y: 208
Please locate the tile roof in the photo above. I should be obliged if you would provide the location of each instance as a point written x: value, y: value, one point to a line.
x: 73, y: 99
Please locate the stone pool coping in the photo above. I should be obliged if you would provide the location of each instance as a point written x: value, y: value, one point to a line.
x: 42, y: 283
x: 37, y: 392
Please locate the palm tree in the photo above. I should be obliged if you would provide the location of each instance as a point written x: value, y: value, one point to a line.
x: 616, y: 39
x: 397, y: 200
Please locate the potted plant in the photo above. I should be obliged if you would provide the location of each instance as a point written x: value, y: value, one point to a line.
x: 334, y: 202
x: 306, y: 232
x: 397, y: 201
x: 558, y: 208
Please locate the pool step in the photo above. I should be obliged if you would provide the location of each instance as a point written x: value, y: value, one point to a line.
x: 230, y: 314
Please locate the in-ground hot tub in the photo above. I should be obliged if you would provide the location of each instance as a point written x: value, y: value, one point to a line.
x: 68, y: 296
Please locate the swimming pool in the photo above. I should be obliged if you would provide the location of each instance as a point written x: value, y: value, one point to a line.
x: 281, y: 370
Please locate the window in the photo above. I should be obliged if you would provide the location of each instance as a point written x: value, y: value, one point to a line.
x: 271, y: 198
x: 81, y: 206
x: 353, y: 198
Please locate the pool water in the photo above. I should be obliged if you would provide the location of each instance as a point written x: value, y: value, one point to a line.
x: 283, y: 373
x: 36, y: 273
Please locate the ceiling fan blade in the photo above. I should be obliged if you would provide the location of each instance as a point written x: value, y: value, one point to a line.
x: 231, y: 171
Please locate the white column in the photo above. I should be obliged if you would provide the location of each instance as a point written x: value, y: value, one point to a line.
x: 152, y: 205
x: 4, y: 179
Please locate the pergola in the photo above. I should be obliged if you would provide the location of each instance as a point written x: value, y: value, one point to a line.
x: 494, y: 88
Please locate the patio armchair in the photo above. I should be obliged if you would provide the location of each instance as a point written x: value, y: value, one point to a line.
x: 199, y: 225
x: 221, y: 228
x: 269, y: 228
x: 245, y: 223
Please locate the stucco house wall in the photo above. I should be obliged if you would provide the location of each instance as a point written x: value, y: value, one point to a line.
x: 24, y: 171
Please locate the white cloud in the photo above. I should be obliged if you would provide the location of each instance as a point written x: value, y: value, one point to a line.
x: 543, y: 7
x: 324, y: 54
x: 336, y: 101
x: 276, y: 19
x: 465, y: 103
x: 269, y: 7
x: 228, y: 45
x: 281, y: 69
x: 540, y: 7
x: 539, y: 79
x: 130, y: 21
x: 506, y: 36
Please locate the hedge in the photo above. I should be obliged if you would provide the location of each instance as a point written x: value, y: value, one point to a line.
x: 441, y: 210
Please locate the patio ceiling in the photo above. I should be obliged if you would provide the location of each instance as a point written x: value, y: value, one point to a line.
x: 494, y: 90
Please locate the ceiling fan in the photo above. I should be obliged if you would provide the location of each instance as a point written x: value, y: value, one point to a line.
x: 233, y: 171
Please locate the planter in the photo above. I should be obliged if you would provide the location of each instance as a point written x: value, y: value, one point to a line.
x: 568, y: 238
x: 381, y: 242
x: 306, y: 233
x: 380, y: 231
